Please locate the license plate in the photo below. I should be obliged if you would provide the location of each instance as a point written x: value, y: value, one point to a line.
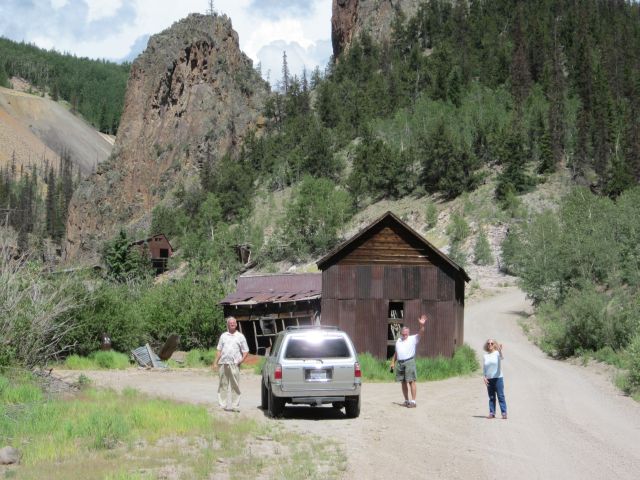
x: 318, y: 375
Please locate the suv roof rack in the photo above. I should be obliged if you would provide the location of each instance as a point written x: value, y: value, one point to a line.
x: 311, y: 327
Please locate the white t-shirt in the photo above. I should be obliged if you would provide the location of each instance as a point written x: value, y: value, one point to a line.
x: 407, y: 348
x: 492, y: 365
x: 231, y: 347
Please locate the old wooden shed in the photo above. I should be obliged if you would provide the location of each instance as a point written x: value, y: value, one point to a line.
x: 158, y: 248
x: 385, y: 277
x: 264, y: 305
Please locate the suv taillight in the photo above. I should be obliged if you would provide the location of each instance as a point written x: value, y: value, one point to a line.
x: 356, y: 370
x: 277, y: 374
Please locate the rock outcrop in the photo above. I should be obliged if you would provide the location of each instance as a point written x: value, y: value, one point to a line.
x: 192, y: 95
x: 350, y: 18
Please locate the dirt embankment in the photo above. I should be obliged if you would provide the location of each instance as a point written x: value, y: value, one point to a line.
x: 34, y: 128
x: 565, y: 421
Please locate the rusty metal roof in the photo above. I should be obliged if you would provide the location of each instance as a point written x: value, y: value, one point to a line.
x: 278, y: 288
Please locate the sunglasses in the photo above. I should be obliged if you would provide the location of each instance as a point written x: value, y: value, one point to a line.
x: 490, y: 343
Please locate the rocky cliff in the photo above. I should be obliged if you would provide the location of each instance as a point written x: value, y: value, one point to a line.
x: 350, y: 18
x: 192, y: 94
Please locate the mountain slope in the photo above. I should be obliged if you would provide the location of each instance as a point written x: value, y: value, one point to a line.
x: 33, y: 128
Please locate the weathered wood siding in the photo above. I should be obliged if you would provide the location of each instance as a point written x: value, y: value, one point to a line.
x: 356, y: 298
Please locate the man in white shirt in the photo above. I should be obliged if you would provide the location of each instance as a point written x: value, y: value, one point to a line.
x: 232, y: 351
x: 405, y: 357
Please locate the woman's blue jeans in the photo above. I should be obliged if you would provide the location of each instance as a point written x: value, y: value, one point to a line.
x: 496, y: 387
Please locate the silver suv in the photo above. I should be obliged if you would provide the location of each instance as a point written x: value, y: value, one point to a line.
x: 312, y: 366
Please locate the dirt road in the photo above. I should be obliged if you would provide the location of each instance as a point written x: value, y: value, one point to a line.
x: 565, y: 421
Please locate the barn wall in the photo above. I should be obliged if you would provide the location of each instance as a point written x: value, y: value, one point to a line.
x: 356, y: 298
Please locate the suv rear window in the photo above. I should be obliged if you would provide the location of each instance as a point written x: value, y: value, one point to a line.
x: 325, y: 348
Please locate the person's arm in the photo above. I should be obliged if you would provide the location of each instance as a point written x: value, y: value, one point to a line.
x: 244, y: 356
x: 484, y: 371
x: 422, y: 320
x: 500, y: 351
x: 215, y: 362
x: 218, y: 351
x: 393, y: 360
x: 244, y: 350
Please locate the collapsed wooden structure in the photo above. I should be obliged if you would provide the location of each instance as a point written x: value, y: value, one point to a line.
x: 264, y: 305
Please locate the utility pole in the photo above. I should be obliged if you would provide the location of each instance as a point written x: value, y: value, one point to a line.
x: 211, y: 10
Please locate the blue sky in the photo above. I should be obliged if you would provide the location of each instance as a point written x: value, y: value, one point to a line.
x: 119, y: 29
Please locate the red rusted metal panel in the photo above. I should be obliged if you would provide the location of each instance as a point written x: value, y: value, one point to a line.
x: 393, y: 284
x: 330, y: 314
x: 363, y: 281
x: 346, y: 281
x: 377, y: 281
x: 346, y: 315
x: 371, y: 325
x: 446, y: 286
x: 429, y: 283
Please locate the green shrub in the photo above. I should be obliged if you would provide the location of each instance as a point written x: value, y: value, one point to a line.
x: 107, y: 360
x: 198, y: 358
x: 76, y: 362
x: 110, y: 359
x: 18, y: 389
x: 482, y: 252
x: 431, y: 214
x: 458, y: 228
x: 457, y: 254
x: 633, y: 353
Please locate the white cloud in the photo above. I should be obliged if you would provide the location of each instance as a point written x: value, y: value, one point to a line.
x: 113, y: 29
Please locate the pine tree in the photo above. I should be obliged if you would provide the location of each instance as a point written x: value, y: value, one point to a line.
x: 520, y: 73
x: 482, y: 251
x: 50, y: 206
x: 285, y: 73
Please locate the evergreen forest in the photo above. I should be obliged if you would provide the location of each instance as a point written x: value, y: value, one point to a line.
x: 93, y: 88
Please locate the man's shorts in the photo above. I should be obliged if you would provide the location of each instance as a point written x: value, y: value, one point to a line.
x: 406, y: 371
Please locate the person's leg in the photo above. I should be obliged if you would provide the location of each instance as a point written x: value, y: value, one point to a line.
x: 234, y: 380
x: 501, y: 399
x: 223, y: 386
x: 411, y: 376
x: 491, y: 390
x: 405, y: 391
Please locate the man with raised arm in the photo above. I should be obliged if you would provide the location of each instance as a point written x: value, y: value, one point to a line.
x: 405, y: 357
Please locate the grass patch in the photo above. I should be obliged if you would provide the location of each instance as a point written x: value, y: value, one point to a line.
x: 100, y: 360
x: 103, y: 434
x: 257, y: 368
x: 463, y: 362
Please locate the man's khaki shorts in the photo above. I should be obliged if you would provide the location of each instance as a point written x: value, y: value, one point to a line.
x: 406, y: 371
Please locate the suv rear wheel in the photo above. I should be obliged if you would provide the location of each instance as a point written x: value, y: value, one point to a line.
x: 276, y: 404
x: 352, y: 407
x: 264, y: 397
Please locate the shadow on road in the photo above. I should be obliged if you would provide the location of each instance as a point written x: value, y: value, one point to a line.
x: 298, y: 412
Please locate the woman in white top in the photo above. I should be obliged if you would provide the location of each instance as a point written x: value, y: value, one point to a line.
x: 492, y: 375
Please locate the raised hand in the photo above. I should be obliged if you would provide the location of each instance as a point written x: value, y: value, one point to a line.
x: 422, y: 319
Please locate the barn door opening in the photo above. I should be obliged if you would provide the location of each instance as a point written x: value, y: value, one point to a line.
x: 395, y: 322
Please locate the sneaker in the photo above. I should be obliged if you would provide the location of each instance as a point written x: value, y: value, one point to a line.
x: 412, y: 404
x: 491, y: 416
x: 504, y: 416
x: 407, y: 403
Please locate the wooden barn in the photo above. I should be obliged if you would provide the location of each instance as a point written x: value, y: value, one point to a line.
x: 385, y: 277
x: 158, y: 248
x: 266, y: 304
